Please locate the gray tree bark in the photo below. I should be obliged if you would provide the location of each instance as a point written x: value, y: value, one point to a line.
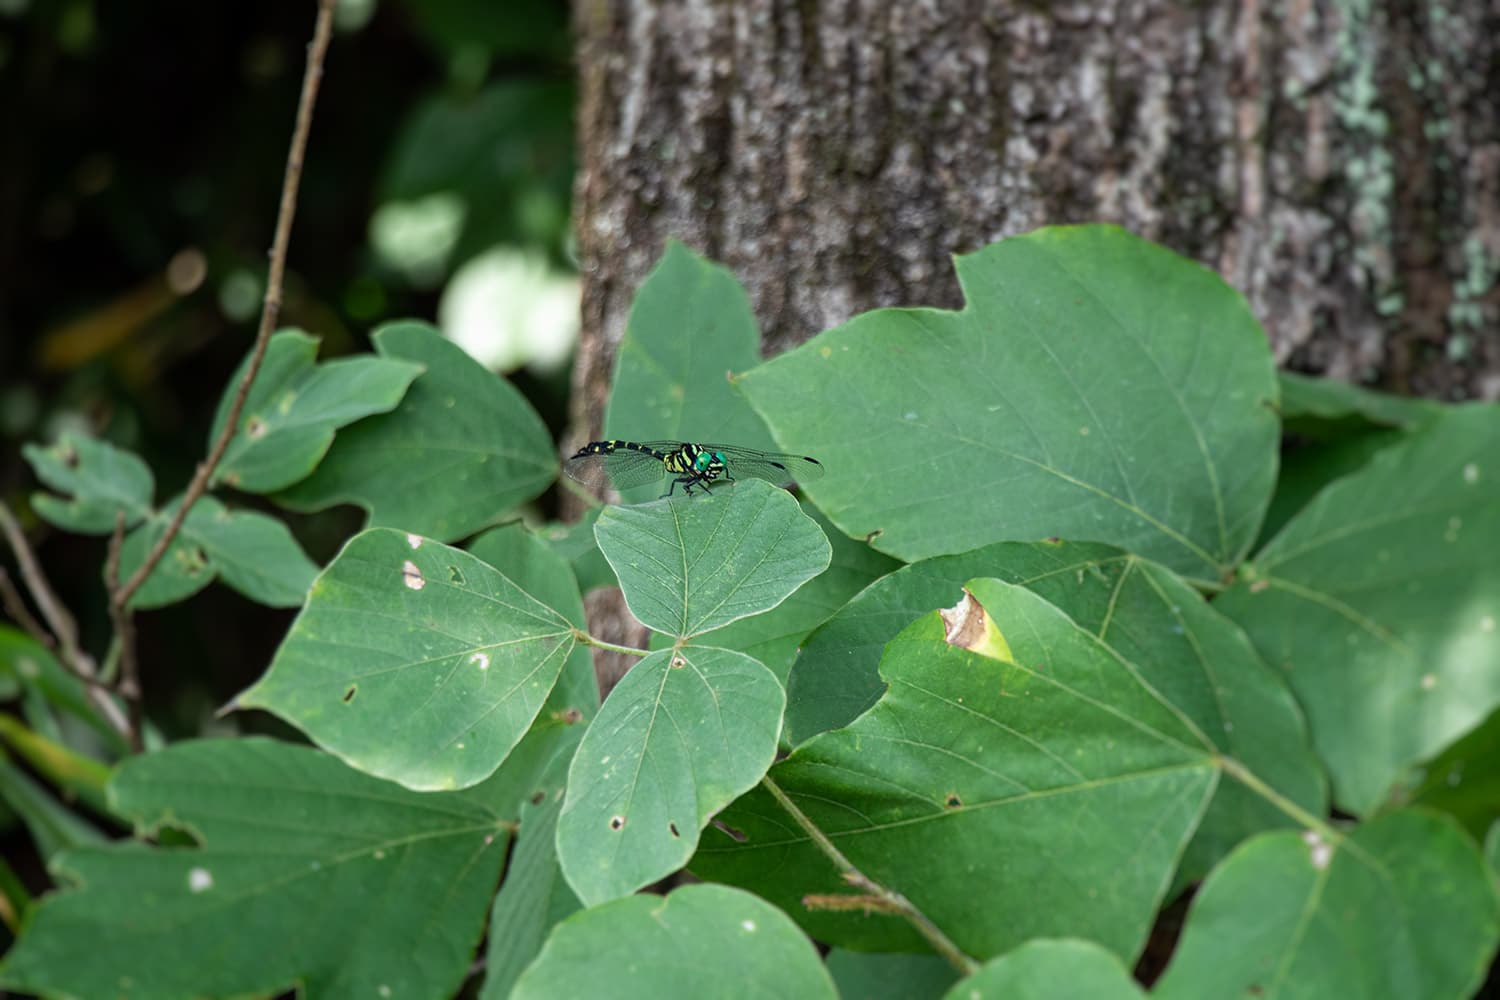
x: 1338, y: 161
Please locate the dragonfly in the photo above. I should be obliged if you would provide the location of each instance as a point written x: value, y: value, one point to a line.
x: 624, y: 464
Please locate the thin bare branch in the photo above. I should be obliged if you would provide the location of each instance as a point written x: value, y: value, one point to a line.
x: 124, y: 622
x: 57, y: 616
x: 271, y: 308
x: 69, y: 654
x: 15, y: 606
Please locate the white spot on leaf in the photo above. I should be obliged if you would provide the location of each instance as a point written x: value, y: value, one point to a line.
x: 412, y: 575
x: 200, y: 880
x: 748, y: 925
x: 1429, y: 681
x: 1487, y: 624
x: 482, y: 659
x: 1471, y: 473
x: 1319, y: 850
x: 415, y: 541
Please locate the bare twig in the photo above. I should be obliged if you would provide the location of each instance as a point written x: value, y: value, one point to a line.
x: 58, y: 618
x: 877, y: 897
x: 270, y: 310
x: 15, y: 606
x: 124, y: 622
x: 69, y: 654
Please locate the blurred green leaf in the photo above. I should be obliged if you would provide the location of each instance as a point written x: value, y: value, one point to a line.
x: 53, y: 827
x: 294, y: 407
x: 250, y: 551
x: 682, y: 734
x: 1055, y: 786
x: 700, y: 941
x: 876, y: 976
x: 1464, y: 780
x: 1095, y: 387
x: 463, y: 447
x: 307, y: 872
x: 1378, y: 602
x: 575, y: 542
x: 101, y: 479
x: 1325, y: 409
x: 1050, y: 970
x: 63, y: 766
x: 1402, y: 907
x: 694, y: 564
x: 49, y: 688
x: 415, y: 661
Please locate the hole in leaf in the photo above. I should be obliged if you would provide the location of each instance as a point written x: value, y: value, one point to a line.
x: 537, y: 797
x: 616, y: 822
x: 349, y: 694
x: 255, y: 428
x: 568, y: 717
x: 738, y: 836
x: 952, y: 801
x: 678, y: 663
x: 673, y: 828
x: 455, y: 576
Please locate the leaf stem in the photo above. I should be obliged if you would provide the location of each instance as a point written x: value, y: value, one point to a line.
x: 891, y: 900
x: 589, y: 640
x: 1248, y: 778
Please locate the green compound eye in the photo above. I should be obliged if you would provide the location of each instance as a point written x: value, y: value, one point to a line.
x: 703, y: 461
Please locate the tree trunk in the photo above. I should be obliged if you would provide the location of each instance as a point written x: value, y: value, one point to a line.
x: 1338, y: 162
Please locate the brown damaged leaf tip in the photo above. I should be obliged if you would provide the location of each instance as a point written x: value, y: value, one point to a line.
x: 970, y: 627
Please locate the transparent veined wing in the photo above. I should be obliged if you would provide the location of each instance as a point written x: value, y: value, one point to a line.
x: 769, y: 465
x: 621, y: 469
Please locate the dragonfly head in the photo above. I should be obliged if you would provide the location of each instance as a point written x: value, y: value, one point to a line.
x: 711, y: 463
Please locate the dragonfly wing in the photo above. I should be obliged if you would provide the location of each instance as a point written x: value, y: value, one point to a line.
x: 774, y: 466
x: 620, y: 469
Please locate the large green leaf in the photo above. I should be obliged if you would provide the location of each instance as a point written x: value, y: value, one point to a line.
x: 463, y: 447
x: 694, y: 564
x: 682, y: 734
x: 702, y: 941
x: 1095, y: 387
x: 1379, y: 602
x: 1050, y: 970
x: 689, y: 327
x: 295, y: 405
x: 306, y: 872
x: 535, y: 567
x: 1402, y: 907
x: 102, y: 480
x: 1195, y: 658
x: 1050, y: 792
x: 773, y: 636
x: 415, y: 661
x: 252, y: 552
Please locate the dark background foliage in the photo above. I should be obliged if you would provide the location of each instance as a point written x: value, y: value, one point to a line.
x: 139, y: 174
